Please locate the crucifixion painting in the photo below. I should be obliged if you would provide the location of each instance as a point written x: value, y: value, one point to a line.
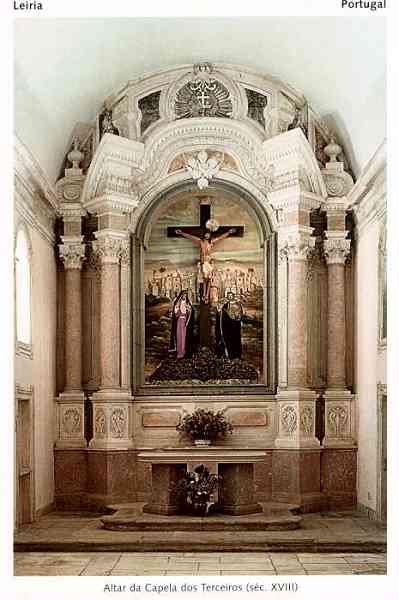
x: 202, y: 236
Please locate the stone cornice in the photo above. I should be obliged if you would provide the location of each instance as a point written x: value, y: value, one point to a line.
x: 33, y: 210
x: 115, y: 157
x: 367, y: 198
x: 290, y: 152
x: 28, y: 169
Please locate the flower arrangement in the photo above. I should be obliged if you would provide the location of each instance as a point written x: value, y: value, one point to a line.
x: 194, y: 491
x: 205, y: 425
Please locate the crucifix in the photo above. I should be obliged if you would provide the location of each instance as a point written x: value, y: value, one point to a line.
x: 201, y: 236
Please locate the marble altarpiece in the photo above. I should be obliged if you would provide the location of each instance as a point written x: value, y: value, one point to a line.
x: 251, y: 147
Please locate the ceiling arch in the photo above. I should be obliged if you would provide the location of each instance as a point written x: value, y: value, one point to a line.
x: 64, y: 69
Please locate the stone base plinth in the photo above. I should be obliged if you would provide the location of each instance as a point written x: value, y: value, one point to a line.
x: 296, y: 479
x: 338, y: 477
x: 111, y: 476
x: 70, y: 477
x: 236, y: 489
x: 163, y: 496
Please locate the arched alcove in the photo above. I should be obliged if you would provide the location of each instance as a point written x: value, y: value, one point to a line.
x: 164, y: 266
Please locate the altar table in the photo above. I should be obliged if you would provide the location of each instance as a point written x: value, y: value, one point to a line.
x: 235, y: 466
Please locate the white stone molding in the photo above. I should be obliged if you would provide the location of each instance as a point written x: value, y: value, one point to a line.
x: 295, y: 242
x: 297, y: 419
x: 70, y: 419
x: 71, y: 212
x: 205, y: 76
x: 112, y: 420
x: 72, y: 252
x: 367, y: 198
x: 31, y: 207
x: 111, y: 246
x: 27, y: 168
x: 115, y: 160
x: 339, y: 419
x: 202, y: 169
x: 336, y: 247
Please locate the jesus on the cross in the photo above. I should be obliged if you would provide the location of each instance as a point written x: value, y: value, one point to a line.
x: 206, y: 243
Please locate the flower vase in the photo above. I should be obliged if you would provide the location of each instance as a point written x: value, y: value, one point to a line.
x: 202, y: 443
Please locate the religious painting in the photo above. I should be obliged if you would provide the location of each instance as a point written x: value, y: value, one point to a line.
x: 204, y: 289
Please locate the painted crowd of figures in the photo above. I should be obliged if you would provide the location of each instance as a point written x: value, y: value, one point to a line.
x: 227, y: 327
x: 169, y: 284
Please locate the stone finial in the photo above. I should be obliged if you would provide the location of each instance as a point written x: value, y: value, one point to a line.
x: 332, y: 149
x: 338, y: 182
x: 75, y: 156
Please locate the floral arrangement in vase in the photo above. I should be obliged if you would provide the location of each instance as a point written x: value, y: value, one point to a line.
x: 205, y: 426
x: 194, y: 491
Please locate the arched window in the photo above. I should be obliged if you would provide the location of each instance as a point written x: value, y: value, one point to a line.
x: 22, y: 292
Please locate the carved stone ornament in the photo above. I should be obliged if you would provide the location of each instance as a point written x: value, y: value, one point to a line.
x: 203, y: 96
x: 289, y: 419
x: 296, y: 245
x: 100, y: 426
x: 338, y: 183
x: 118, y: 423
x: 71, y: 421
x: 72, y: 255
x: 307, y: 420
x: 336, y: 250
x: 109, y: 249
x: 337, y: 419
x: 75, y: 156
x: 202, y: 169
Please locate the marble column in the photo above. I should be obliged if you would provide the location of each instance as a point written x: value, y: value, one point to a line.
x: 336, y: 250
x: 112, y: 403
x: 339, y: 417
x: 71, y: 401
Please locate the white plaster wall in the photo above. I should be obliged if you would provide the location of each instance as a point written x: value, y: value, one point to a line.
x: 40, y: 371
x: 370, y: 364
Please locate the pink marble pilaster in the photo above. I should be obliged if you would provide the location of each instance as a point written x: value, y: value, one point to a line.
x: 296, y: 368
x: 73, y: 330
x: 110, y: 326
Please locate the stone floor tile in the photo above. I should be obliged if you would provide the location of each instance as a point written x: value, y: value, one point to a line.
x: 245, y: 573
x: 321, y: 559
x: 351, y: 559
x: 327, y: 568
x: 209, y: 573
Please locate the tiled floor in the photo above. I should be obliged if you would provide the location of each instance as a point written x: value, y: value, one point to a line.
x: 196, y: 563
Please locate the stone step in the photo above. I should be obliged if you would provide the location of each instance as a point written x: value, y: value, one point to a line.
x: 130, y: 517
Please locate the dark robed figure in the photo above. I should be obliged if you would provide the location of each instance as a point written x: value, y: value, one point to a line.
x: 228, y: 327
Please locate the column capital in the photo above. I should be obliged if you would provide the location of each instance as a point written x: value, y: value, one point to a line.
x: 336, y: 247
x: 72, y: 252
x: 111, y: 247
x: 296, y: 242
